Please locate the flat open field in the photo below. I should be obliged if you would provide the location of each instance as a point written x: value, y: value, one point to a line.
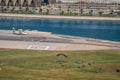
x: 53, y: 65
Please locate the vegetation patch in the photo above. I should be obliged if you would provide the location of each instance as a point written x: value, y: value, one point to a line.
x: 59, y: 65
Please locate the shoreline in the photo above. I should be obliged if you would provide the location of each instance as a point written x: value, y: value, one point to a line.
x: 57, y: 17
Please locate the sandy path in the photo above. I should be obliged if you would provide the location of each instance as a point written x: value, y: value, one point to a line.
x: 58, y: 17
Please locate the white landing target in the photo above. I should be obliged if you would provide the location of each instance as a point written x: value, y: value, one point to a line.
x: 38, y: 47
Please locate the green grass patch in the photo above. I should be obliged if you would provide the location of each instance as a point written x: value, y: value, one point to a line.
x: 86, y: 15
x: 106, y: 15
x: 68, y: 14
x: 45, y: 65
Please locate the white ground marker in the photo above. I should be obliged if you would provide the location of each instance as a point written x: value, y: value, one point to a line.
x: 38, y: 47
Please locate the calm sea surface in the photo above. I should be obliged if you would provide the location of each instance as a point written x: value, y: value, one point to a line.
x: 106, y: 30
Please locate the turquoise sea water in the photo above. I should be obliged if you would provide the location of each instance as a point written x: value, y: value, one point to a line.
x: 106, y: 30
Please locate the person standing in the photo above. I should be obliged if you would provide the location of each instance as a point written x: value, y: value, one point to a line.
x: 13, y: 30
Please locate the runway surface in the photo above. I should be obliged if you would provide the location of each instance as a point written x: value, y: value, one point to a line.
x: 45, y: 41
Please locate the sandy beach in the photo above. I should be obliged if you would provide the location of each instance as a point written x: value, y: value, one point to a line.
x: 57, y: 17
x: 35, y: 40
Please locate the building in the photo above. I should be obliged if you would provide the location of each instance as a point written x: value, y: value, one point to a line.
x: 24, y: 2
x: 19, y: 2
x: 25, y: 5
x: 88, y: 1
x: 52, y: 1
x: 68, y: 1
x: 39, y: 6
x: 34, y: 3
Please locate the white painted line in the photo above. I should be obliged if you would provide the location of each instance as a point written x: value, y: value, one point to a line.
x: 38, y: 47
x: 47, y: 47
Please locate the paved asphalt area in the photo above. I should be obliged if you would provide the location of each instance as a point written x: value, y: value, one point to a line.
x: 34, y: 39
